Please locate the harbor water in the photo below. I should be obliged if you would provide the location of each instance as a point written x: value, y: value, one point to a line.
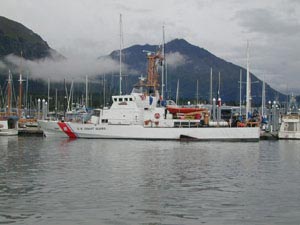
x: 98, y: 182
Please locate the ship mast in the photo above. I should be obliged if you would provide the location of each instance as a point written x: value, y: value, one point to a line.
x: 20, y: 90
x: 177, y: 92
x: 48, y: 95
x: 20, y: 97
x: 86, y: 91
x: 210, y: 88
x: 263, y: 97
x: 240, y: 92
x: 121, y: 40
x: 163, y: 65
x: 9, y: 93
x: 152, y: 79
x: 248, y: 87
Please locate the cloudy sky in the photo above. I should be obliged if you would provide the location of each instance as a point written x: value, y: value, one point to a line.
x: 90, y: 28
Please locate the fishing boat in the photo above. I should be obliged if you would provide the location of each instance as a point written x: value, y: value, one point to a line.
x: 290, y: 123
x: 8, y: 121
x: 144, y: 115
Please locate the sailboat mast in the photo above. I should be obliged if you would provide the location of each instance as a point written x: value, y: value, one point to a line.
x: 210, y: 88
x: 26, y: 94
x: 86, y: 92
x: 9, y: 93
x: 70, y: 98
x: 121, y: 39
x: 197, y: 93
x: 166, y: 75
x: 104, y: 91
x: 163, y: 65
x: 20, y: 97
x: 240, y: 92
x: 219, y: 85
x: 20, y: 90
x: 177, y: 92
x: 263, y: 97
x: 48, y: 96
x: 56, y: 102
x: 248, y: 86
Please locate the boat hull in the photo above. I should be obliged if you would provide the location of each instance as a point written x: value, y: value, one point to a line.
x: 139, y: 132
x: 289, y: 135
x: 9, y: 132
x: 290, y: 127
x: 51, y: 128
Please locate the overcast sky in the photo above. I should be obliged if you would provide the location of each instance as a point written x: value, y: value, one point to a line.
x: 90, y: 28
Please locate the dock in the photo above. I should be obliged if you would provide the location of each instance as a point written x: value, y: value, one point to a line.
x: 30, y: 131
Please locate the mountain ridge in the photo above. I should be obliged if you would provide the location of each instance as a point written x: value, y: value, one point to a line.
x: 15, y: 37
x: 193, y: 63
x: 197, y: 66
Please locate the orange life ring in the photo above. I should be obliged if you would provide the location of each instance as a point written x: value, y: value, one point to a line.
x: 156, y: 115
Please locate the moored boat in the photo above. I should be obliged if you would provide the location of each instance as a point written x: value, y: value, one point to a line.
x: 8, y: 126
x: 290, y: 123
x: 142, y: 115
x: 8, y: 121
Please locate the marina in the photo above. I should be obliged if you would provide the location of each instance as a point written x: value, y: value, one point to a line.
x: 192, y: 118
x: 146, y: 115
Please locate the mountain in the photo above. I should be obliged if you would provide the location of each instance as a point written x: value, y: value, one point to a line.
x: 194, y: 63
x: 15, y: 37
x: 186, y: 63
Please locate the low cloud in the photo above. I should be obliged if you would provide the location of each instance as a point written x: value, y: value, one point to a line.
x: 175, y: 59
x: 2, y: 65
x: 73, y: 67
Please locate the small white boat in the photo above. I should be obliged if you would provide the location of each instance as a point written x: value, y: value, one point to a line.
x: 8, y: 126
x: 290, y: 123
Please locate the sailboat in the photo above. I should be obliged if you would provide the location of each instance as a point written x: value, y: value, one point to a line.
x: 8, y: 121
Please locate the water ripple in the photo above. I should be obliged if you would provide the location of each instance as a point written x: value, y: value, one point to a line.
x: 53, y: 181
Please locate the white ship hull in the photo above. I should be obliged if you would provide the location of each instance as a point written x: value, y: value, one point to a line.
x: 78, y: 130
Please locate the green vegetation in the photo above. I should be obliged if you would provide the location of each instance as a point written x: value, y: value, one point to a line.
x: 15, y: 37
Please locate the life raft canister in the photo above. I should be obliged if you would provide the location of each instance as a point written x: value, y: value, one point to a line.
x: 156, y: 116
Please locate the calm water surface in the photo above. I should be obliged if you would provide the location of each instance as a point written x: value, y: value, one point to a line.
x: 55, y: 181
